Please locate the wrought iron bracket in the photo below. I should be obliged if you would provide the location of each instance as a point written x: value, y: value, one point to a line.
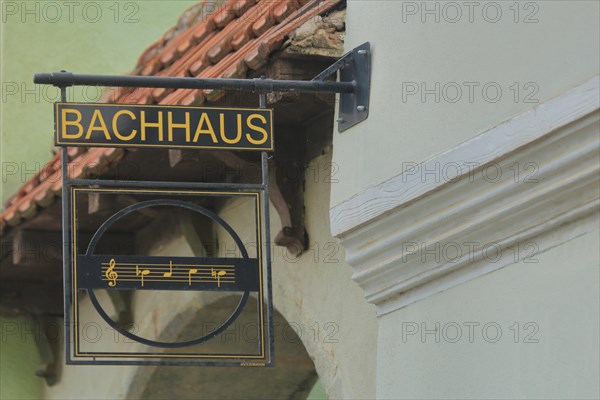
x: 354, y: 85
x: 354, y: 66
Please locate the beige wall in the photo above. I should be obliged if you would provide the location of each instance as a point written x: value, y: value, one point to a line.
x: 553, y: 352
x: 315, y: 294
x: 112, y: 382
x: 552, y: 55
x: 317, y: 290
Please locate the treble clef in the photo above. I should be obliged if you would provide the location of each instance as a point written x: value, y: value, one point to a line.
x: 111, y: 274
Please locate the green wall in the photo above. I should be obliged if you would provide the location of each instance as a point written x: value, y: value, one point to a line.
x: 35, y: 38
x: 86, y: 37
x: 18, y: 360
x: 317, y: 392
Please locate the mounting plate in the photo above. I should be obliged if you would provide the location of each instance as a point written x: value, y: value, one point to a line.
x: 354, y: 107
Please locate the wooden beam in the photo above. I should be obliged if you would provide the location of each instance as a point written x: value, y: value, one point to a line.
x: 36, y: 248
x: 44, y: 248
x: 287, y: 189
x: 99, y: 203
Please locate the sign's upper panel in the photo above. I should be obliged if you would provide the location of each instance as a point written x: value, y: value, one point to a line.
x: 129, y: 125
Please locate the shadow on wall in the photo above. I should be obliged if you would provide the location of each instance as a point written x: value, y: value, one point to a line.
x: 293, y: 376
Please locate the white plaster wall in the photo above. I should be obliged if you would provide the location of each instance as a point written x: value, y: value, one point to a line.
x: 558, y: 297
x: 554, y: 54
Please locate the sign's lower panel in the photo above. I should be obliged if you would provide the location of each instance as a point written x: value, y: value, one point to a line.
x: 190, y: 287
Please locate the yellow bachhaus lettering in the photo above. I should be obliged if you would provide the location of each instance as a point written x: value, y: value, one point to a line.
x: 239, y: 130
x: 102, y: 125
x: 145, y: 124
x: 208, y: 131
x: 97, y: 116
x: 171, y: 125
x: 66, y: 123
x: 115, y: 123
x: 257, y: 129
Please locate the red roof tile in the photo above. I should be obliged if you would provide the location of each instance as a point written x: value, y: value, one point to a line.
x: 240, y: 35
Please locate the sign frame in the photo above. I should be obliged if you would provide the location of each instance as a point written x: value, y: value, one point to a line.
x: 128, y: 126
x: 68, y: 257
x: 264, y: 359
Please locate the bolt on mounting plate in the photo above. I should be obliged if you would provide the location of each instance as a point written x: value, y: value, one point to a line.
x: 354, y: 107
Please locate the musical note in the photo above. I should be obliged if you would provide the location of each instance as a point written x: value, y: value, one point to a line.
x: 111, y: 274
x: 217, y: 275
x: 142, y: 272
x: 170, y: 273
x: 190, y: 273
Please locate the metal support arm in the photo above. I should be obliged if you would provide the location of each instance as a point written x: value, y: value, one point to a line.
x: 353, y: 87
x: 65, y: 79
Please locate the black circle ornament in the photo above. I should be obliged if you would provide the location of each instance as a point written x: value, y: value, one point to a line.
x: 175, y: 203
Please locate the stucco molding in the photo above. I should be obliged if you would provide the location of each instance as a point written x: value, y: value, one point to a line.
x: 423, y: 232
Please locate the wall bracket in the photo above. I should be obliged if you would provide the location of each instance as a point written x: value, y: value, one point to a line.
x: 354, y: 66
x: 354, y: 85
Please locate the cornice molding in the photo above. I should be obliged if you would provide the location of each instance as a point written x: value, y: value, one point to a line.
x: 421, y: 233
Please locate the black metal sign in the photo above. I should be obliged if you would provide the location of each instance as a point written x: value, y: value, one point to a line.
x: 90, y: 276
x: 245, y: 277
x: 167, y: 273
x: 130, y: 125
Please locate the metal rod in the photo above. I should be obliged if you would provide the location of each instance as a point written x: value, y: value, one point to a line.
x: 63, y: 79
x: 66, y: 248
x: 262, y: 103
x: 166, y: 185
x: 157, y: 363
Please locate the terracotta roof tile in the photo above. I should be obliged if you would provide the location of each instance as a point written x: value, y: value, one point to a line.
x: 225, y: 14
x: 238, y: 36
x: 199, y: 65
x: 282, y: 11
x: 243, y: 6
x: 201, y: 31
x: 150, y: 68
x: 263, y: 23
x: 196, y: 97
x: 160, y: 93
x: 242, y: 38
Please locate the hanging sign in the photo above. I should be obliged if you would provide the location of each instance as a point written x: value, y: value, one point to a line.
x: 127, y: 125
x: 232, y: 328
x: 208, y: 302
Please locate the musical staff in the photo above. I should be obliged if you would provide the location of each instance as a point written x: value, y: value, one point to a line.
x: 167, y: 273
